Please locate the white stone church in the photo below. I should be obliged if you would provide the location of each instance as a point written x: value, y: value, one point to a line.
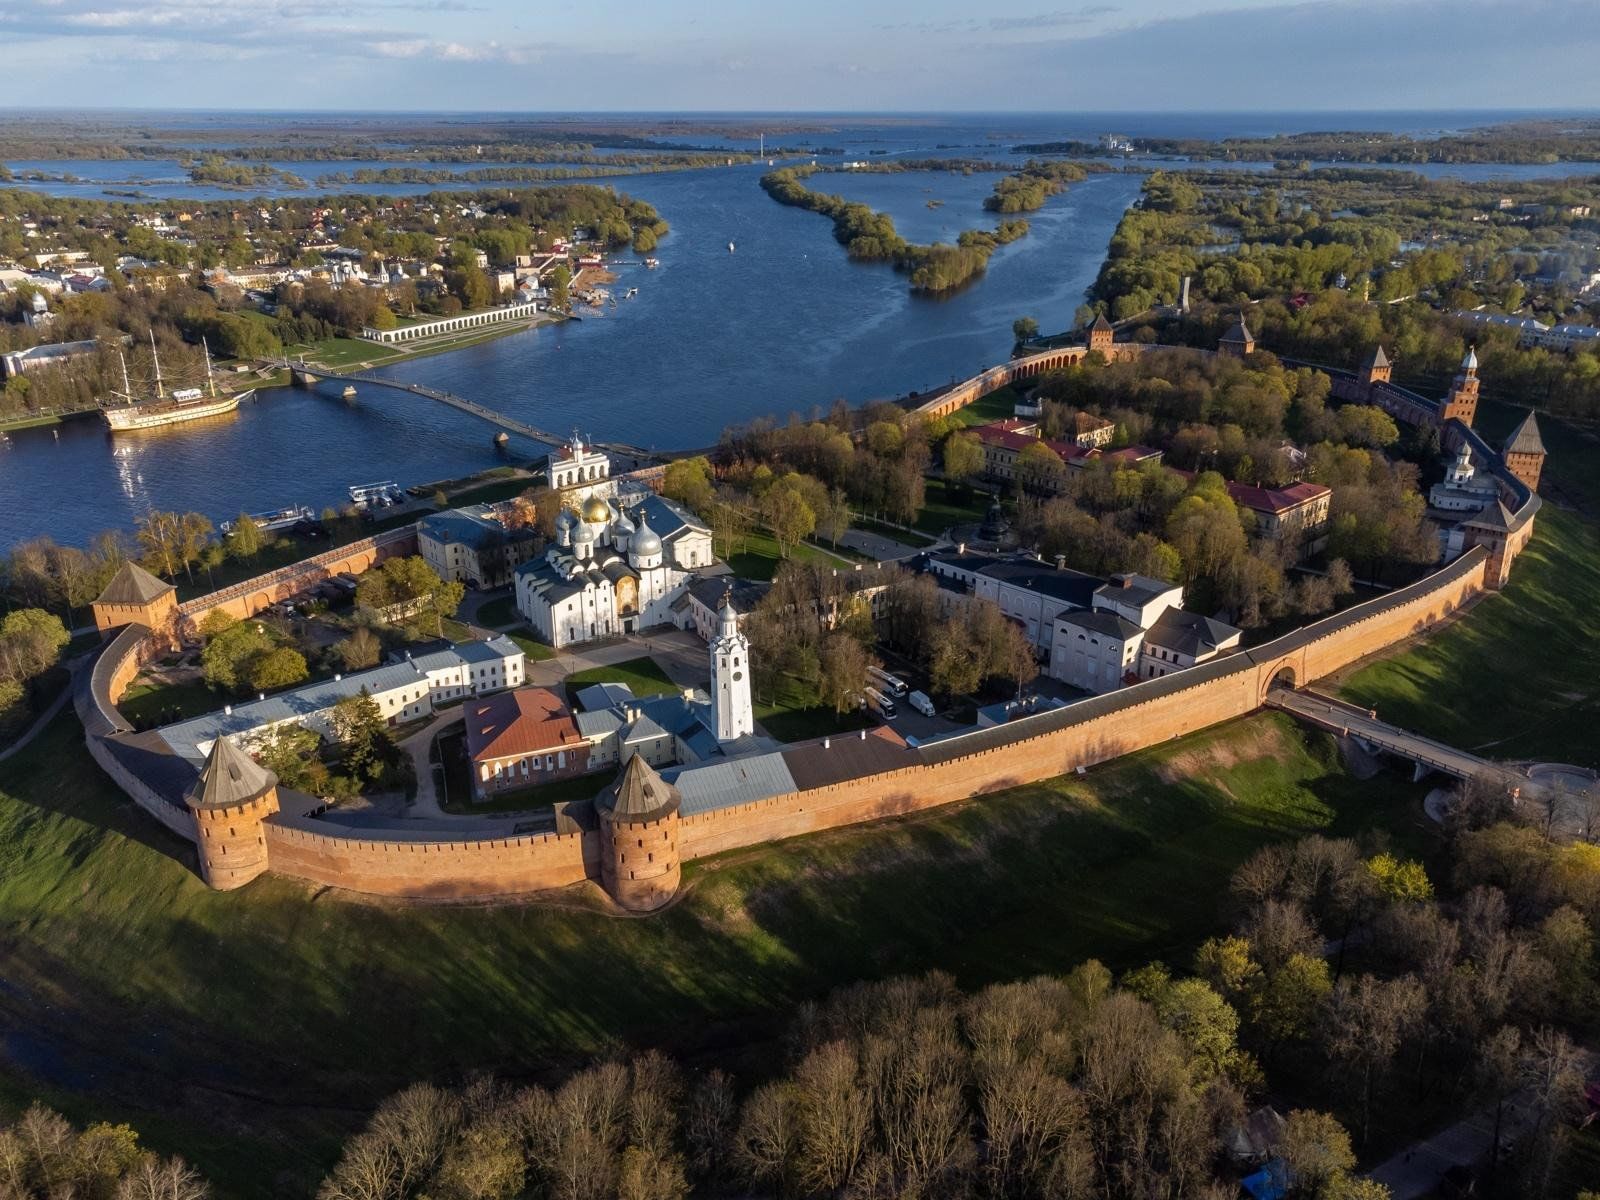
x: 619, y: 561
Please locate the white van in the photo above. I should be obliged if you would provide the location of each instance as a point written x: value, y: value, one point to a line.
x: 920, y: 702
x: 886, y: 682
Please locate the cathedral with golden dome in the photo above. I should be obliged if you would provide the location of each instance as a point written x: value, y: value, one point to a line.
x: 619, y: 562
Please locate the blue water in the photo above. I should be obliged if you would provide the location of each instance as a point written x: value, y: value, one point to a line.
x: 785, y: 324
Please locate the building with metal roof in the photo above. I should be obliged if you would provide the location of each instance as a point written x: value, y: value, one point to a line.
x: 405, y: 689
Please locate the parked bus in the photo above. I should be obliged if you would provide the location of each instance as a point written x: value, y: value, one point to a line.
x: 880, y: 704
x: 886, y: 682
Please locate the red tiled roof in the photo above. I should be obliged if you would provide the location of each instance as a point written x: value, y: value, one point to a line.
x: 996, y: 433
x: 1270, y: 500
x: 526, y: 721
x: 1275, y: 500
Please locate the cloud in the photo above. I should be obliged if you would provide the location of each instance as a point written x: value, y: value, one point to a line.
x: 1052, y: 20
x: 461, y: 52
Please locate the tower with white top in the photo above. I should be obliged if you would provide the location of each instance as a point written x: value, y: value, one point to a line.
x: 730, y: 676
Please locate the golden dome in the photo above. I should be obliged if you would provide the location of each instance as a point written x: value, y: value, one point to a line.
x: 595, y: 510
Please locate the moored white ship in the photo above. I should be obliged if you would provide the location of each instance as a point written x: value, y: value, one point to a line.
x: 176, y: 407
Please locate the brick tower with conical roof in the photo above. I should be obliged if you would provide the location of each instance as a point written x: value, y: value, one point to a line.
x: 1102, y: 336
x: 1376, y: 369
x: 232, y: 798
x: 1462, y: 402
x: 639, y: 864
x: 1524, y: 452
x: 136, y: 597
x: 1238, y: 342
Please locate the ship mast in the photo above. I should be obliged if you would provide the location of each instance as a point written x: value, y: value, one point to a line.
x: 127, y: 388
x: 160, y: 395
x: 210, y: 382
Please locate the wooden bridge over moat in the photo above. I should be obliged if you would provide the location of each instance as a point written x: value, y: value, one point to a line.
x: 306, y: 375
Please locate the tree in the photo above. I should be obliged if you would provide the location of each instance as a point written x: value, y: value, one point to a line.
x: 225, y: 661
x: 1316, y: 1149
x: 279, y: 668
x: 1367, y: 1019
x: 1040, y: 468
x: 293, y: 753
x: 1285, y: 1002
x: 688, y: 481
x: 217, y: 621
x: 1497, y: 1071
x: 31, y: 641
x: 245, y: 538
x: 843, y: 662
x: 368, y: 748
x: 963, y: 458
x: 173, y: 541
x: 785, y: 511
x: 560, y: 284
x: 1399, y: 880
x: 1025, y: 329
x: 360, y: 650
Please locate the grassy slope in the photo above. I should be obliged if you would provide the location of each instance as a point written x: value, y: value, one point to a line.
x: 254, y: 1027
x: 1519, y: 677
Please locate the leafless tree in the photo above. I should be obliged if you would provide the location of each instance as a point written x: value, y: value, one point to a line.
x: 162, y: 1179
x: 1278, y: 930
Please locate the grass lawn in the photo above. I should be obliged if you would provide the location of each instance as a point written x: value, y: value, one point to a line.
x: 252, y: 1030
x: 341, y: 353
x: 499, y: 612
x: 1519, y: 677
x: 946, y: 506
x: 580, y: 787
x: 147, y: 704
x: 795, y: 715
x: 643, y: 675
x: 996, y: 406
x: 532, y: 647
x: 757, y: 556
x: 1571, y: 473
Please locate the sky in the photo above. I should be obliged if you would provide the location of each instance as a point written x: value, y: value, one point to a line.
x: 800, y: 55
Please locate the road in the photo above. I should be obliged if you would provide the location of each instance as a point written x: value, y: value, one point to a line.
x: 1416, y: 1171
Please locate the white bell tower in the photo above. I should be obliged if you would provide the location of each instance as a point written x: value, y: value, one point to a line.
x: 730, y: 676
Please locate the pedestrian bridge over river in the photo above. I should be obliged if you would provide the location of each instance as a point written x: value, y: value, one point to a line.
x: 307, y: 376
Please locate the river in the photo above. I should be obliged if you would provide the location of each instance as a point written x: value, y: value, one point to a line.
x: 783, y: 324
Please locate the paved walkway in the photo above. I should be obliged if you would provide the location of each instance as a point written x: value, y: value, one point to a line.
x: 1416, y: 1172
x: 876, y: 547
x: 417, y: 748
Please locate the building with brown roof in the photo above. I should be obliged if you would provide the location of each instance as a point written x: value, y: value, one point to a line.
x: 1524, y: 452
x: 521, y: 738
x: 136, y: 597
x: 639, y: 822
x: 1238, y: 342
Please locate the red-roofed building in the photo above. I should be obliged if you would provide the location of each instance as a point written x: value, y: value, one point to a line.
x: 1004, y: 441
x: 1296, y: 511
x: 521, y: 738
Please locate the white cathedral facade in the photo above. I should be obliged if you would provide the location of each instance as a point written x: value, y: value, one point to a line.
x: 619, y: 561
